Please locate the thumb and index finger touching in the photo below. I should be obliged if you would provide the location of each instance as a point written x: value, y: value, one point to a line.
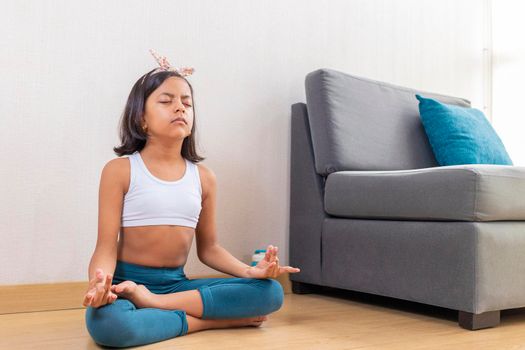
x: 95, y: 291
x: 271, y: 255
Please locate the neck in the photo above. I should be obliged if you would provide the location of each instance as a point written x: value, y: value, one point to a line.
x: 164, y: 152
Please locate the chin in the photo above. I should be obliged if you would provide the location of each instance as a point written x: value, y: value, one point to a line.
x: 177, y: 136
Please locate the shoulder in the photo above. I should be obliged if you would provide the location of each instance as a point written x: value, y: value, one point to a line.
x: 208, y: 179
x: 117, y: 172
x: 117, y: 165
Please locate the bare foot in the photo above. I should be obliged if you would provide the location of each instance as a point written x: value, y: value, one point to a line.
x: 243, y: 322
x: 196, y: 324
x: 138, y: 294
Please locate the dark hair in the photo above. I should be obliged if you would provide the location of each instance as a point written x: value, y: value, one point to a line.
x: 132, y: 137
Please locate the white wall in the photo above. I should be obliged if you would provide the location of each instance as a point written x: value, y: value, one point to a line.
x: 67, y: 68
x: 509, y: 76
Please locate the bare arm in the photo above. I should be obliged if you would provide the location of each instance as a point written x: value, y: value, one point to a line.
x: 215, y: 256
x: 221, y: 260
x: 111, y: 194
x: 208, y: 249
x: 104, y: 259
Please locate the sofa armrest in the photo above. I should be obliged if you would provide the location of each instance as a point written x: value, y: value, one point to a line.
x: 306, y: 202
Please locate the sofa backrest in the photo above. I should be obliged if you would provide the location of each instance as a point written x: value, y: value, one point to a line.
x: 362, y: 124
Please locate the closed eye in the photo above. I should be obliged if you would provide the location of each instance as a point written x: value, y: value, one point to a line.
x: 186, y: 104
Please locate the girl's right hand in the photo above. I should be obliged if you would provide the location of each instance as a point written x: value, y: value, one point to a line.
x: 99, y: 290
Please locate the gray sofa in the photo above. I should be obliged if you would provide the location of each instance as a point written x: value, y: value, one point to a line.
x: 371, y: 211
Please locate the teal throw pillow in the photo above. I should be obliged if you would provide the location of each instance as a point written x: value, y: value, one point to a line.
x: 460, y: 135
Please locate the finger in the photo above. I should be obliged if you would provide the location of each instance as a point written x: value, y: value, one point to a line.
x: 293, y: 269
x: 120, y: 287
x: 99, y: 295
x: 268, y: 254
x: 117, y: 288
x: 88, y: 298
x: 107, y: 285
x: 277, y: 269
x: 268, y: 272
x: 90, y: 292
x: 289, y: 269
x: 271, y: 254
x: 278, y: 265
x: 275, y: 250
x: 111, y: 298
x: 100, y: 275
x: 96, y: 279
x: 276, y: 273
x: 274, y: 269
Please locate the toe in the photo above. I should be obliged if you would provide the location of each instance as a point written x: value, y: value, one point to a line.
x: 121, y: 287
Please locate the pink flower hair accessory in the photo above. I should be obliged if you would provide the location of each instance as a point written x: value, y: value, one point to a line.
x: 166, y: 66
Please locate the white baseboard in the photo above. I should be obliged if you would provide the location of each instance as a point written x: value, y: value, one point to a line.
x: 67, y: 295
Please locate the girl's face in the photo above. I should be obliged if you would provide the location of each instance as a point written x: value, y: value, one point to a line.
x: 171, y: 100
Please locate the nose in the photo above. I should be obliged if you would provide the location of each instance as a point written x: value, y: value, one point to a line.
x: 179, y: 106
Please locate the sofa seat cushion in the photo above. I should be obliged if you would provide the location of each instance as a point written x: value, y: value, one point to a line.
x: 475, y: 192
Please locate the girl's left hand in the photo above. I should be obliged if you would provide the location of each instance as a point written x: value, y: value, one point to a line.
x: 269, y: 266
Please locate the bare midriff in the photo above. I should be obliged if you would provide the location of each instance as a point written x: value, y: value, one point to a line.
x: 156, y: 246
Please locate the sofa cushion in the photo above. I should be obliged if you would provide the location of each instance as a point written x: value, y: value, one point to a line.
x: 460, y: 135
x: 363, y: 124
x: 459, y: 192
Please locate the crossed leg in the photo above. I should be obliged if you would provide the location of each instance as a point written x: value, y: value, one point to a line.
x: 189, y: 301
x: 213, y: 302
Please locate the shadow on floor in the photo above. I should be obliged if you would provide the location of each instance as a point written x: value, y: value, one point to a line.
x: 507, y: 316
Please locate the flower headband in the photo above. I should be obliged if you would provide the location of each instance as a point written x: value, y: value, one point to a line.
x: 166, y: 66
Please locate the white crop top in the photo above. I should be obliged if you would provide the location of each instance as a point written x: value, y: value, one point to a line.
x: 152, y: 201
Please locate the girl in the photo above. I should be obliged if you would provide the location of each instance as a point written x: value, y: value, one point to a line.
x: 158, y: 198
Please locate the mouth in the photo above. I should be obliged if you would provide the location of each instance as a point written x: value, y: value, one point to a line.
x: 180, y: 120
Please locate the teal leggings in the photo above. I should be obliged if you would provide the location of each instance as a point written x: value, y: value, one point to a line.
x: 121, y: 324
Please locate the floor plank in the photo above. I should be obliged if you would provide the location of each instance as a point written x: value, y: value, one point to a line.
x: 335, y: 320
x: 68, y: 295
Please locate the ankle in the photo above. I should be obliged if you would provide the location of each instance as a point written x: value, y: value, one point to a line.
x: 150, y: 298
x: 196, y: 324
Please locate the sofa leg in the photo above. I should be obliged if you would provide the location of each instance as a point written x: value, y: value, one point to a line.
x: 473, y: 322
x: 304, y: 288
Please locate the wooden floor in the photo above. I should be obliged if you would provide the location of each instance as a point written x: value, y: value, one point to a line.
x: 335, y: 320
